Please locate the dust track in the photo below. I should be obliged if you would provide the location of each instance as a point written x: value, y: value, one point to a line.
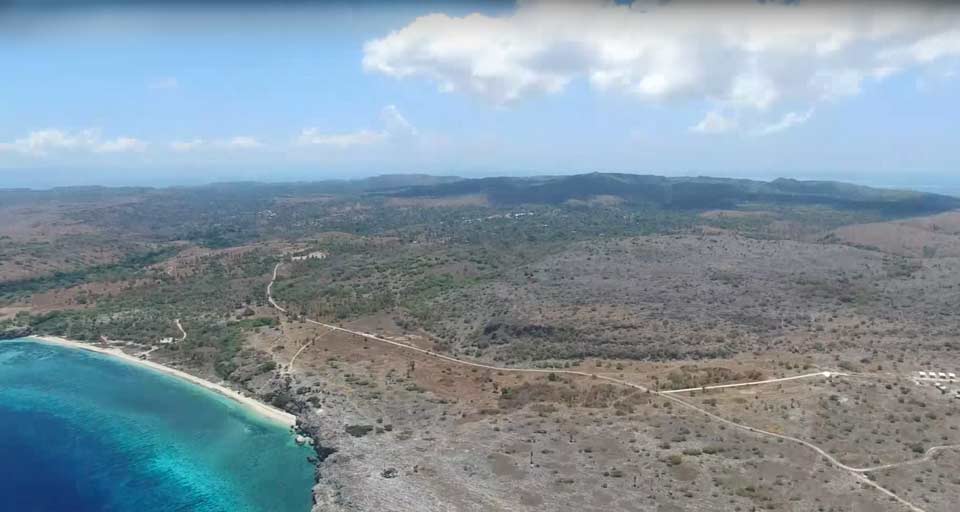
x: 858, y: 473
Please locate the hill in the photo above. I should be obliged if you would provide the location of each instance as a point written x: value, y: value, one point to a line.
x: 688, y: 193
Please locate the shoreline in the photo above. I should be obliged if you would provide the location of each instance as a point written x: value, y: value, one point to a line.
x: 251, y: 404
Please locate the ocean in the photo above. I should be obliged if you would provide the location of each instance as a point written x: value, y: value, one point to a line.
x: 81, y: 431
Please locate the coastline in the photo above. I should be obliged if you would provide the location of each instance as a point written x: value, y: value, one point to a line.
x: 271, y: 413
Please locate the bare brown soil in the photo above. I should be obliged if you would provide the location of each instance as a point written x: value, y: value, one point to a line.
x: 453, y: 439
x: 936, y: 236
x: 42, y: 238
x: 439, y: 202
x: 735, y: 214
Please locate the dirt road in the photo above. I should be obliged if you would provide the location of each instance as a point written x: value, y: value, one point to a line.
x: 858, y: 473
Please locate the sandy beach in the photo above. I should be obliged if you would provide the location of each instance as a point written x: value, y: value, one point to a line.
x: 254, y: 405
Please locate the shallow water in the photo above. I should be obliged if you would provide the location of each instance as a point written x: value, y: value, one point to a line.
x: 81, y: 431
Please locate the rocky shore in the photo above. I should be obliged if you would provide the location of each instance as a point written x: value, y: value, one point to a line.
x: 15, y: 332
x: 311, y: 430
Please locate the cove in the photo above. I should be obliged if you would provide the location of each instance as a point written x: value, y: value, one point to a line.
x: 82, y: 431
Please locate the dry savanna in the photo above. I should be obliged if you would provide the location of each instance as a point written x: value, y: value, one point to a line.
x: 594, y: 342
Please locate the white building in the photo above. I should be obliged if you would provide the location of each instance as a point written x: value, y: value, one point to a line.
x: 316, y: 255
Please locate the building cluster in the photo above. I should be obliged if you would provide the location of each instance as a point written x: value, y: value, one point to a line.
x: 939, y: 380
x: 316, y: 255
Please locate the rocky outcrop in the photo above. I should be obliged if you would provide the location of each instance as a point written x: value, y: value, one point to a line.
x: 15, y: 332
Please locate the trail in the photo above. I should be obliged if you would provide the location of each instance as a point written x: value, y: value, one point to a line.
x: 423, y: 350
x: 927, y: 456
x: 757, y: 382
x: 183, y: 333
x: 857, y: 473
x: 304, y: 347
x: 145, y: 353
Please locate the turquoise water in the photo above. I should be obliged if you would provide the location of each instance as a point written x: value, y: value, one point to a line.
x: 81, y: 431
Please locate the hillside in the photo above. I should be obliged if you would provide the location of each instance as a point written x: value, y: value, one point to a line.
x: 689, y: 193
x: 666, y: 283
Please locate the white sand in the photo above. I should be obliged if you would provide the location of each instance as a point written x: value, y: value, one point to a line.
x: 269, y: 412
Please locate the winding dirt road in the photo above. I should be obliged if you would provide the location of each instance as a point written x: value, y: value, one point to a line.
x: 857, y: 473
x: 183, y: 333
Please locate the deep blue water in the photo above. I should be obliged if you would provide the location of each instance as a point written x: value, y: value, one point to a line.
x: 80, y: 432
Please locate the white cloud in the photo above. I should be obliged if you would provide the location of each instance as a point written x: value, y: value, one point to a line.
x: 753, y: 89
x: 789, y: 120
x: 396, y: 127
x: 167, y: 82
x: 41, y: 142
x: 241, y: 142
x: 45, y: 142
x: 742, y: 55
x: 121, y: 145
x: 714, y: 122
x: 313, y: 136
x: 394, y: 122
x: 832, y: 84
x: 182, y: 146
x: 928, y: 49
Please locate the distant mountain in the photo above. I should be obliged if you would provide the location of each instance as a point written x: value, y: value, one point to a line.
x: 381, y: 183
x: 387, y: 181
x: 690, y: 193
x: 89, y: 194
x: 687, y: 193
x: 239, y: 190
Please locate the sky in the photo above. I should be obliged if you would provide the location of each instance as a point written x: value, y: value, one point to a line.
x: 153, y: 93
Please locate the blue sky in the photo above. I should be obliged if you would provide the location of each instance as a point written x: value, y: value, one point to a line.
x: 109, y: 94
